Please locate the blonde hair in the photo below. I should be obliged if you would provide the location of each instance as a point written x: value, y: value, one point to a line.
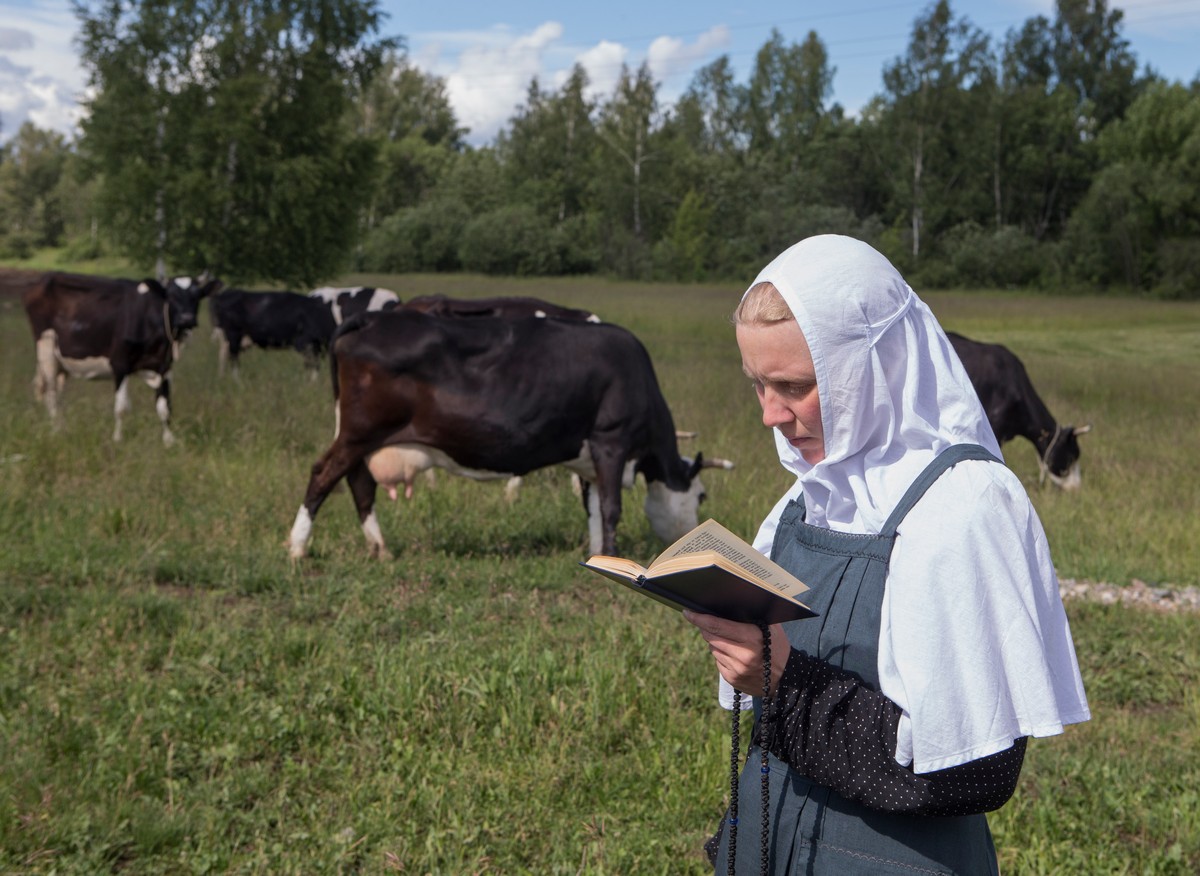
x: 762, y: 305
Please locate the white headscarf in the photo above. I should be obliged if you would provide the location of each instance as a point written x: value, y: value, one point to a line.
x: 893, y: 392
x: 974, y: 644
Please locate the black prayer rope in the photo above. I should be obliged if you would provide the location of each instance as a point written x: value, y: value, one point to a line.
x: 734, y: 744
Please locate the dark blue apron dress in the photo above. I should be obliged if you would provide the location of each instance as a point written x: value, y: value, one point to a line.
x: 814, y: 830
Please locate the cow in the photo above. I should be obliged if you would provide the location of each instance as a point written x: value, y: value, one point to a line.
x: 271, y: 320
x: 346, y: 301
x: 86, y: 326
x: 493, y: 398
x: 501, y: 307
x: 508, y: 307
x: 1014, y: 408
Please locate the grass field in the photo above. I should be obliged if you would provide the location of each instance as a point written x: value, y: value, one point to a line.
x: 176, y: 697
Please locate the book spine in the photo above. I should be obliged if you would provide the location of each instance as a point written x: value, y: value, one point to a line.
x: 641, y: 580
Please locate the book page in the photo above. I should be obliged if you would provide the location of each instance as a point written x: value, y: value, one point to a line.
x: 619, y: 565
x: 712, y: 536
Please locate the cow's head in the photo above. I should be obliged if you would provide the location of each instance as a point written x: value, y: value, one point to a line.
x: 673, y: 505
x: 1060, y: 460
x: 184, y: 295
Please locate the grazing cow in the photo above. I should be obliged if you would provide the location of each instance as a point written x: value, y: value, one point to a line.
x: 88, y: 327
x: 1014, y: 408
x: 346, y: 301
x: 271, y: 320
x: 503, y: 307
x: 493, y: 398
x: 512, y: 307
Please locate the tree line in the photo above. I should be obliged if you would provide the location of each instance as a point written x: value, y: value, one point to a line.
x: 291, y: 142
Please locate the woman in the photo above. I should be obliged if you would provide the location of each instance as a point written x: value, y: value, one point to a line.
x: 900, y: 714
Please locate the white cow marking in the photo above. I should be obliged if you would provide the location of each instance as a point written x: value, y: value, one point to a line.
x: 301, y: 530
x: 380, y: 298
x: 87, y: 368
x: 370, y: 528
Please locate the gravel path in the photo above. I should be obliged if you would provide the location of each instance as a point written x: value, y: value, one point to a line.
x: 1137, y: 593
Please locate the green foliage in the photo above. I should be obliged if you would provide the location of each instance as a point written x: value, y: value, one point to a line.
x: 421, y: 238
x: 510, y: 240
x: 286, y: 144
x: 1139, y: 222
x: 33, y: 164
x: 216, y: 132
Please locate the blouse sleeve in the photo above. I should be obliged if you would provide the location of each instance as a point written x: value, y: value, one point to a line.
x: 828, y: 725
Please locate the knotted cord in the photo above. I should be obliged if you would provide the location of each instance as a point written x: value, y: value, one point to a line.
x: 764, y: 768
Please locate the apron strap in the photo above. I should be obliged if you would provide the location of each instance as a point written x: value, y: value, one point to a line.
x: 944, y: 460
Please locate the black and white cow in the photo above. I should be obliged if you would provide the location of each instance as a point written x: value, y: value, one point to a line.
x: 1014, y: 408
x: 493, y: 398
x: 503, y: 307
x: 88, y: 327
x: 347, y: 301
x: 270, y: 320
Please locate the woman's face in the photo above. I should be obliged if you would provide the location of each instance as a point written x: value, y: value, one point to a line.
x: 776, y: 358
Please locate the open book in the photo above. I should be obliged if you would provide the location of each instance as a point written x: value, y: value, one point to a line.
x: 712, y: 571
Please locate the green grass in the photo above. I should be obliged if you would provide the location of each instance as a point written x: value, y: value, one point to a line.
x: 176, y: 697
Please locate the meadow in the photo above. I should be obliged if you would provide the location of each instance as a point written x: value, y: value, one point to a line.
x: 176, y: 697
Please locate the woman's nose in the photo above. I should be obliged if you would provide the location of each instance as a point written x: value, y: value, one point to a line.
x: 775, y: 413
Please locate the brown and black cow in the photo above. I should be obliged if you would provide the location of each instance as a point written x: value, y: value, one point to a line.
x: 88, y: 327
x: 1014, y: 408
x: 493, y: 398
x: 502, y: 307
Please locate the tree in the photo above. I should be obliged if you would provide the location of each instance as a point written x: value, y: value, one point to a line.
x: 785, y: 99
x: 407, y: 115
x: 627, y: 121
x: 217, y: 129
x: 931, y: 119
x: 548, y: 146
x: 1093, y: 58
x: 31, y: 167
x: 1140, y: 222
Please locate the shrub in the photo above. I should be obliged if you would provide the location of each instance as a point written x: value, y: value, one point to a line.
x: 510, y: 240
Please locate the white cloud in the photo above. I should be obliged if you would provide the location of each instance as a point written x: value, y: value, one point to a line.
x: 40, y: 77
x: 603, y: 65
x: 491, y: 74
x: 13, y: 39
x: 671, y: 57
x: 1174, y: 22
x: 487, y: 73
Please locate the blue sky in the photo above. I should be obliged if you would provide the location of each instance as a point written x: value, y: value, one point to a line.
x: 488, y: 51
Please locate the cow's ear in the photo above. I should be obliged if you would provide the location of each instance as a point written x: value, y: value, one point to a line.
x: 210, y: 288
x: 697, y: 464
x: 154, y: 286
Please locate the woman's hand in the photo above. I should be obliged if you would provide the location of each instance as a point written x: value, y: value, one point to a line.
x: 737, y: 648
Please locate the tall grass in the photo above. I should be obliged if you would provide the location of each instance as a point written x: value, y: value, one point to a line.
x: 176, y: 697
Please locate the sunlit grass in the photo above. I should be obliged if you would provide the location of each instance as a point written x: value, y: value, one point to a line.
x: 176, y: 697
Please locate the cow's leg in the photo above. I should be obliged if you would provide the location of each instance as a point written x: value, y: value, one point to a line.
x: 312, y: 362
x: 511, y: 487
x: 326, y: 471
x: 222, y: 352
x: 609, y: 468
x: 591, y: 504
x: 120, y: 402
x: 162, y: 405
x: 362, y: 488
x: 46, y: 382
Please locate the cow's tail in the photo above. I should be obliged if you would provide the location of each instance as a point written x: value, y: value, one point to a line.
x: 352, y: 324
